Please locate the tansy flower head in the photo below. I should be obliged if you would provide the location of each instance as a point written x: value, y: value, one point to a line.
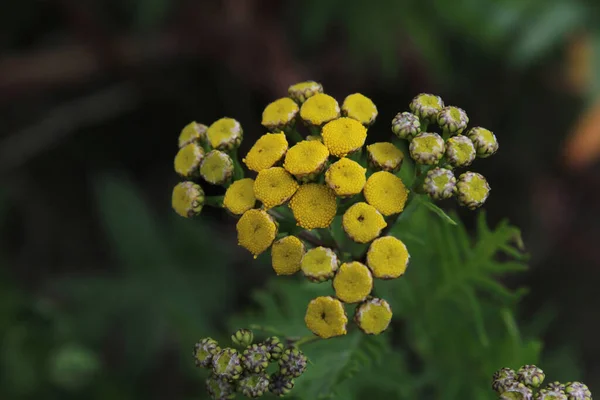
x: 266, y: 151
x: 274, y: 347
x: 313, y: 206
x: 274, y: 186
x: 325, y: 317
x: 387, y: 257
x: 373, y: 316
x: 225, y: 134
x: 503, y: 379
x: 204, y: 352
x: 460, y: 151
x: 549, y: 394
x: 426, y: 106
x: 306, y: 159
x: 484, y: 140
x: 319, y: 109
x: 343, y: 136
x: 217, y: 167
x: 440, y: 183
x: 406, y: 125
x: 516, y: 391
x: 227, y: 364
x: 386, y: 192
x: 427, y: 148
x: 254, y: 385
x: 346, y: 177
x: 219, y: 388
x: 192, y: 133
x: 188, y: 160
x: 360, y: 108
x: 281, y: 384
x: 530, y: 375
x: 319, y: 264
x: 353, y: 282
x: 556, y: 386
x: 255, y: 358
x: 239, y: 197
x: 188, y: 199
x: 303, y: 90
x: 384, y: 156
x: 256, y: 231
x: 452, y: 120
x: 286, y: 255
x: 362, y: 222
x: 280, y: 114
x: 292, y: 362
x: 473, y: 190
x: 577, y: 391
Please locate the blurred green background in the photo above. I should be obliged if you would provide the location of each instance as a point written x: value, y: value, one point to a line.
x: 104, y: 290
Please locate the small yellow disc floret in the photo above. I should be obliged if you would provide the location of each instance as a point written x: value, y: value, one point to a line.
x: 192, y: 133
x: 386, y: 192
x: 360, y: 108
x: 286, y: 255
x: 325, y: 317
x: 303, y: 90
x: 353, y: 282
x: 319, y: 264
x: 239, y: 197
x: 343, y: 136
x: 387, y: 257
x: 373, y: 316
x: 225, y: 134
x: 306, y: 158
x: 266, y: 151
x: 319, y: 109
x: 217, y: 167
x: 346, y: 177
x: 274, y: 186
x: 363, y: 223
x: 188, y: 160
x: 385, y: 156
x: 256, y: 231
x: 314, y: 206
x: 188, y: 199
x: 280, y: 114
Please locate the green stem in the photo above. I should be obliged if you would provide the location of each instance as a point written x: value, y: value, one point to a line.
x: 306, y: 340
x: 267, y: 329
x: 293, y: 135
x: 214, y: 201
x: 238, y: 170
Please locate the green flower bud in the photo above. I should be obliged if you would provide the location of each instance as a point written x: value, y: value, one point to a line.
x: 406, y: 125
x: 204, y: 352
x: 427, y: 148
x: 217, y: 167
x: 484, y: 140
x: 227, y: 364
x: 530, y: 375
x: 452, y: 120
x: 556, y: 386
x: 281, y: 384
x: 187, y: 199
x: 516, y: 391
x: 292, y: 362
x: 188, y: 160
x: 503, y: 379
x: 242, y: 337
x: 254, y: 385
x: 549, y: 394
x: 460, y: 151
x: 426, y: 106
x: 192, y: 133
x: 473, y: 190
x: 274, y: 347
x: 256, y: 358
x: 440, y: 183
x: 225, y: 134
x: 220, y: 389
x: 577, y: 391
x: 300, y: 92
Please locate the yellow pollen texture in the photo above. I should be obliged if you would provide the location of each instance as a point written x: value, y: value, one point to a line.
x: 387, y: 257
x: 319, y: 109
x: 353, y: 282
x: 362, y: 222
x: 306, y: 157
x: 360, y: 108
x: 346, y: 177
x: 274, y: 186
x: 343, y: 136
x: 325, y: 317
x: 313, y: 206
x: 239, y: 197
x: 286, y: 255
x: 256, y: 231
x: 386, y: 192
x: 266, y: 151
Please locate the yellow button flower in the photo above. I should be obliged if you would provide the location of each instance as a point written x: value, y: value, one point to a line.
x: 303, y: 90
x: 384, y: 156
x: 192, y: 133
x: 427, y: 148
x: 225, y: 134
x: 473, y: 190
x: 353, y: 282
x: 343, y: 136
x: 346, y: 177
x: 267, y: 151
x: 239, y: 197
x: 325, y: 317
x: 319, y: 109
x: 217, y: 167
x: 319, y: 264
x: 373, y: 316
x: 274, y: 186
x: 188, y: 160
x: 426, y: 106
x: 280, y: 114
x: 387, y: 257
x: 286, y: 255
x: 460, y: 151
x: 188, y: 199
x: 306, y: 159
x: 256, y: 231
x: 360, y: 107
x: 362, y: 222
x: 386, y: 192
x: 313, y: 206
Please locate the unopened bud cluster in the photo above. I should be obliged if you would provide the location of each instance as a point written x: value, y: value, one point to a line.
x: 526, y: 384
x: 243, y: 367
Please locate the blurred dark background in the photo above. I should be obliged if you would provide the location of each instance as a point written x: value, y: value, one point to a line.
x: 101, y: 284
